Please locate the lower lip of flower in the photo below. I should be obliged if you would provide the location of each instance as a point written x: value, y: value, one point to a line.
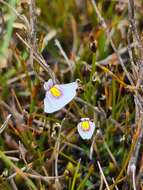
x: 85, y: 126
x: 55, y: 91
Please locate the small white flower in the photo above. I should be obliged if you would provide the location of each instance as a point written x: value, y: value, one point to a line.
x: 86, y: 128
x: 58, y: 95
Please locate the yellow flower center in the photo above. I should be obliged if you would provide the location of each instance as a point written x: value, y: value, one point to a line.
x: 85, y: 125
x: 55, y: 91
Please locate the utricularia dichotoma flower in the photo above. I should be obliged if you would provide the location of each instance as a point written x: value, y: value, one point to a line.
x: 58, y: 95
x: 86, y: 128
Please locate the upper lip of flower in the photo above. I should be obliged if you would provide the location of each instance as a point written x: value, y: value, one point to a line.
x: 48, y: 84
x: 84, y: 119
x: 58, y: 95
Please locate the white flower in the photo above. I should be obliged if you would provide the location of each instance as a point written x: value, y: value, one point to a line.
x: 86, y: 128
x: 58, y: 95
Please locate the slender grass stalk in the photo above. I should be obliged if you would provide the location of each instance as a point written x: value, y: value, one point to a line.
x: 2, y: 128
x: 83, y: 182
x: 75, y: 176
x: 101, y: 171
x: 9, y: 28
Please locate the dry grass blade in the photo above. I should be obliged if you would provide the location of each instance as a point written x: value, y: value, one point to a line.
x: 101, y: 19
x: 40, y: 60
x: 103, y: 176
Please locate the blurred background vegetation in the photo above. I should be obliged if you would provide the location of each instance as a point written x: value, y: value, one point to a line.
x: 29, y: 141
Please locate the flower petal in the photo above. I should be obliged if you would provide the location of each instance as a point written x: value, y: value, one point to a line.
x: 48, y: 84
x: 52, y: 104
x: 86, y: 134
x: 84, y: 119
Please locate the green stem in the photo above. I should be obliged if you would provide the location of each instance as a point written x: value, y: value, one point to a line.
x: 82, y: 184
x: 75, y: 176
x: 9, y: 28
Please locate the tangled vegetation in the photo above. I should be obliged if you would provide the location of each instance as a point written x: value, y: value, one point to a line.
x: 95, y: 47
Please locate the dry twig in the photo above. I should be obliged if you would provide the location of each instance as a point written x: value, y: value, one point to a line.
x: 138, y: 67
